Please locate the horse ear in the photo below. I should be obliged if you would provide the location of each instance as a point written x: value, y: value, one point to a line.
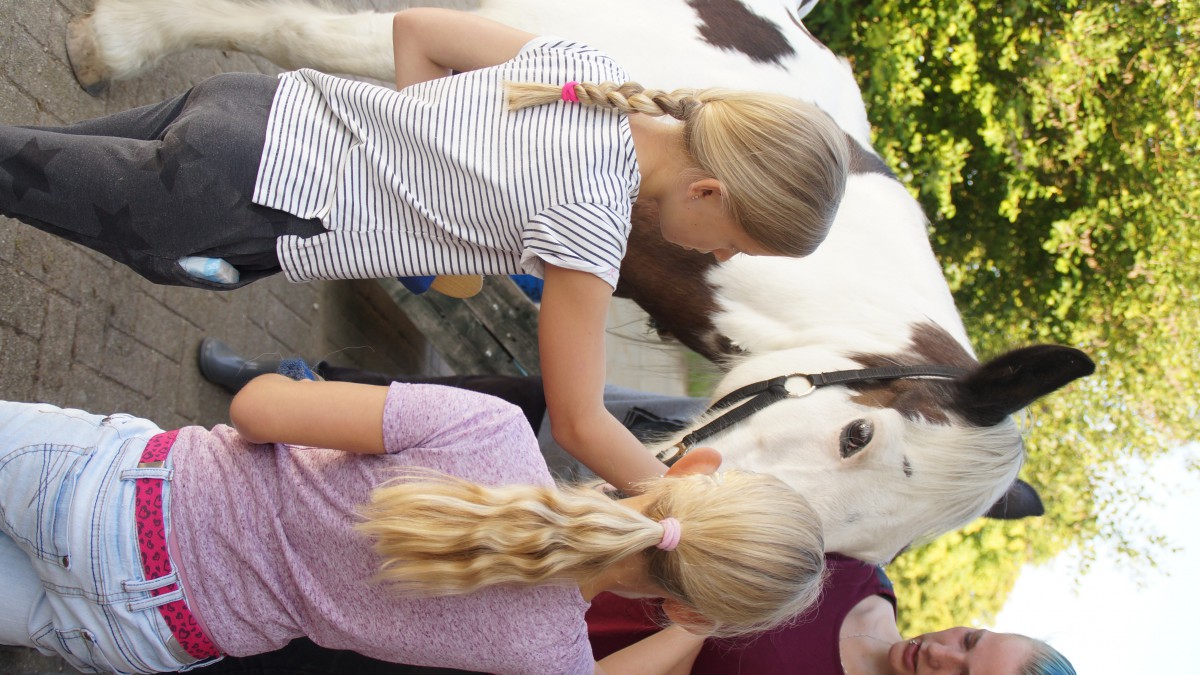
x: 1015, y: 379
x: 1021, y: 501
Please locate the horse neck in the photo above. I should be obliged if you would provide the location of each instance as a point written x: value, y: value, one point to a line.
x: 873, y: 278
x: 668, y: 282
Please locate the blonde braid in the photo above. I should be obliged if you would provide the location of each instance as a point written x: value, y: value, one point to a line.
x: 629, y: 98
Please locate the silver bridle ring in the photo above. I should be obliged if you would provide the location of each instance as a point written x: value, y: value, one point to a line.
x: 811, y: 387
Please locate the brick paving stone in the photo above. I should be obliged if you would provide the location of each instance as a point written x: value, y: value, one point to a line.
x: 24, y: 303
x: 300, y: 298
x: 55, y: 348
x: 91, y: 324
x: 42, y: 20
x: 129, y: 362
x: 281, y: 322
x: 46, y: 78
x: 15, y: 106
x: 95, y: 393
x: 56, y: 263
x: 154, y: 323
x: 18, y: 365
x: 197, y: 307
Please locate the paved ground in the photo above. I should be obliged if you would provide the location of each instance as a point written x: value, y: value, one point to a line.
x: 78, y: 330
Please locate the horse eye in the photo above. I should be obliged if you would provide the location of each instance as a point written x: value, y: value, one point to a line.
x: 855, y: 437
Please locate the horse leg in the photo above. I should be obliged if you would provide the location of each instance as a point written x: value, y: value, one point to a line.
x: 123, y: 38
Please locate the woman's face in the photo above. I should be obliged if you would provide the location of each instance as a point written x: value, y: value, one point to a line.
x: 961, y: 651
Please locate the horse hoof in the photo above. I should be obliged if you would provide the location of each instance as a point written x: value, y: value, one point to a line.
x: 83, y: 53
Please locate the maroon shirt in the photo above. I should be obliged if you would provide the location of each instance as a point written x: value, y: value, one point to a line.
x: 809, y: 645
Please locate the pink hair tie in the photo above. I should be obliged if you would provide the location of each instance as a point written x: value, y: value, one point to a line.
x: 671, y: 533
x: 568, y: 92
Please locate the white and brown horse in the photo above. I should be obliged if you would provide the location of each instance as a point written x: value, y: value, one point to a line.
x: 885, y: 461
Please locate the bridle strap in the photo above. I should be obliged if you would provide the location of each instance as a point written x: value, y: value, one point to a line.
x: 764, y: 394
x: 768, y: 392
x: 748, y: 391
x: 882, y: 373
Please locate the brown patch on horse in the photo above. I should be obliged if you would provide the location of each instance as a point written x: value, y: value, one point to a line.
x: 728, y: 24
x: 915, y: 398
x: 671, y: 284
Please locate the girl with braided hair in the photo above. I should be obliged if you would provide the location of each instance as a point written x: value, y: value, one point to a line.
x: 528, y: 160
x: 432, y: 535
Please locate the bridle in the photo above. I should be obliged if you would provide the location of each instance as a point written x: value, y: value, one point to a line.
x: 768, y: 392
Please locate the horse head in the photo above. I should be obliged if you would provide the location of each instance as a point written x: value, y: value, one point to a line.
x: 889, y: 461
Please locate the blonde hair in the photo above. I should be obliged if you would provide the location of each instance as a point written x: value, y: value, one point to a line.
x: 751, y: 554
x: 783, y: 162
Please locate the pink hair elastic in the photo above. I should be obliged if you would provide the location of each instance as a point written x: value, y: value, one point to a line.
x: 671, y: 533
x: 568, y: 92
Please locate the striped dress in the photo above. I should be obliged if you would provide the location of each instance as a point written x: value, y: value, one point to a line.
x: 441, y: 178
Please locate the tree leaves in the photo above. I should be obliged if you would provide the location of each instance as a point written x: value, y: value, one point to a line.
x: 1054, y: 146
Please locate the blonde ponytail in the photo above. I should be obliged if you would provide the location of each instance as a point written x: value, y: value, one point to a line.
x: 451, y: 536
x: 750, y: 555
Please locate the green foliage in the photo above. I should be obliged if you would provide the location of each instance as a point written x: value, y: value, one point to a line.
x: 1053, y: 144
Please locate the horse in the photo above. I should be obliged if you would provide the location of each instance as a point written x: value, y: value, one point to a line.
x: 865, y: 391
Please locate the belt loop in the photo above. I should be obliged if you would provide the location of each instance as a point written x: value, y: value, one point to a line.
x: 151, y: 584
x: 155, y: 601
x: 154, y: 470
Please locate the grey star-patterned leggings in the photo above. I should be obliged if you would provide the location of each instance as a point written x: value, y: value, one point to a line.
x: 150, y: 185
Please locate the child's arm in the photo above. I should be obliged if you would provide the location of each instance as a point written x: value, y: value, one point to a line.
x: 670, y: 651
x: 340, y: 415
x: 571, y: 339
x: 429, y: 43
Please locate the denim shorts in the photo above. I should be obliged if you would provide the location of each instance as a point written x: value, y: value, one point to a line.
x: 67, y: 501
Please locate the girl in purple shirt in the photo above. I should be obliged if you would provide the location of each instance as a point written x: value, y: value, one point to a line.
x: 433, y: 535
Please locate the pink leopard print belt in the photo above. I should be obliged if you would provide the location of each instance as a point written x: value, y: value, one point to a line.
x: 156, y: 563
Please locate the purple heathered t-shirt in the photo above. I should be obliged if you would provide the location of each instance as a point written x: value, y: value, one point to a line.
x: 263, y: 535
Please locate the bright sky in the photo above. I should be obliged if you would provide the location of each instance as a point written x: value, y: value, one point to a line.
x: 1109, y: 623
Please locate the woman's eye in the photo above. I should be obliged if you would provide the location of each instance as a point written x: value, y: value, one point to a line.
x: 855, y: 436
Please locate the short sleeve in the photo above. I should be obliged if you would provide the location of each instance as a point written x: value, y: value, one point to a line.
x: 549, y: 43
x: 424, y: 415
x: 536, y: 43
x: 585, y: 237
x: 462, y: 433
